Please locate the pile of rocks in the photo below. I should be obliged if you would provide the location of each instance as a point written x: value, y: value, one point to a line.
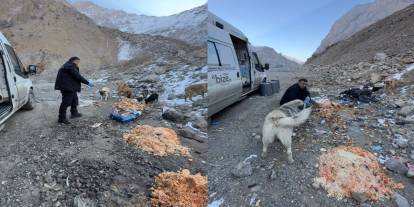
x: 380, y: 68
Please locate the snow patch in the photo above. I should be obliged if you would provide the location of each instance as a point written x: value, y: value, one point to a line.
x: 399, y: 75
x: 216, y: 203
x: 124, y: 51
x: 249, y: 158
x: 175, y: 82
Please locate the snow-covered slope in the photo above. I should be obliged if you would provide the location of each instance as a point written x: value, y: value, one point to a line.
x: 187, y: 26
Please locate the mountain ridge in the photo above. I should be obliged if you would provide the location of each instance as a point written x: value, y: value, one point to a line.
x: 358, y: 18
x: 187, y: 25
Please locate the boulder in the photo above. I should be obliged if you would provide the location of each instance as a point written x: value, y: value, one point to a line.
x: 406, y: 110
x: 151, y: 78
x: 173, y: 115
x: 160, y: 70
x: 186, y: 132
x: 242, y: 169
x: 401, y: 142
x: 400, y: 201
x: 396, y: 166
x: 375, y: 77
x: 380, y: 57
x: 201, y: 124
x: 82, y: 201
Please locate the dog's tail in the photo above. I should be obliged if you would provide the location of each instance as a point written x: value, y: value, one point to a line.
x: 296, y: 120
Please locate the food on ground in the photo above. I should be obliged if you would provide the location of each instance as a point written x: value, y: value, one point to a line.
x: 180, y: 190
x: 329, y: 110
x: 345, y: 170
x: 128, y: 105
x: 159, y: 141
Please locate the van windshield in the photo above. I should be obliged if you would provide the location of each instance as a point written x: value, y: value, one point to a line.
x: 256, y: 63
x: 17, y: 65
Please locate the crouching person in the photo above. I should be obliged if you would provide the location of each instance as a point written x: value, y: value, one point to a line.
x: 68, y: 81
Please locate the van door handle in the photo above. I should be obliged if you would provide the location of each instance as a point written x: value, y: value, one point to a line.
x: 15, y: 79
x: 238, y: 74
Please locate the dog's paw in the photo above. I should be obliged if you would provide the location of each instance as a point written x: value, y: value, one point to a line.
x: 264, y: 154
x: 291, y: 161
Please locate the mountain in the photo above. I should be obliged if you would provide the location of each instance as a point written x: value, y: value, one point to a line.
x: 188, y: 26
x: 360, y: 17
x: 48, y: 32
x: 393, y: 35
x: 275, y: 59
x: 295, y: 59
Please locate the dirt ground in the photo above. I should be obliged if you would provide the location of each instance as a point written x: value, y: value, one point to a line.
x: 44, y: 163
x: 273, y: 181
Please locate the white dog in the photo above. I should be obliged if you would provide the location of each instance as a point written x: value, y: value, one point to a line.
x: 105, y: 93
x: 280, y: 123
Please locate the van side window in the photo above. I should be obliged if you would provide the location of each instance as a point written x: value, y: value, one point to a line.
x: 226, y: 55
x: 212, y: 54
x: 17, y: 65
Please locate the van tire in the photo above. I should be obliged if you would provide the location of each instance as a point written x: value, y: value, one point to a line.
x: 30, y: 101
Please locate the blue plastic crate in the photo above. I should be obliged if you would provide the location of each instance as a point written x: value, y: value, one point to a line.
x: 125, y: 118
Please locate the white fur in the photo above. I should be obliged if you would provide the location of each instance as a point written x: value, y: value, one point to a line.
x: 105, y: 92
x: 279, y: 123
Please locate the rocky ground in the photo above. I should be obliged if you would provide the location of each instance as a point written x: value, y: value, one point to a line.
x: 44, y: 163
x: 234, y: 136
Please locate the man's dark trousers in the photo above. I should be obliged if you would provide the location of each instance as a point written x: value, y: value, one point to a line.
x: 69, y: 98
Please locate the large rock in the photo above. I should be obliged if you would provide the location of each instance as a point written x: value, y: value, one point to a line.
x: 173, y: 115
x: 82, y: 201
x: 160, y: 70
x: 400, y: 201
x: 380, y: 57
x: 406, y: 110
x: 201, y: 124
x: 151, y: 78
x: 409, y: 119
x: 187, y: 133
x: 242, y: 169
x: 396, y: 166
x: 375, y: 77
x: 410, y: 172
x: 401, y: 142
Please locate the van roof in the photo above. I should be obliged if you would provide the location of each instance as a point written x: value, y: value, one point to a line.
x: 212, y: 19
x: 4, y: 39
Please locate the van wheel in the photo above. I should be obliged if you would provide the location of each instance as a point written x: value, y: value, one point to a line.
x: 30, y: 102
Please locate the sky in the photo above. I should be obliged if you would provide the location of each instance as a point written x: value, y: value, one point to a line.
x: 149, y: 7
x: 292, y: 27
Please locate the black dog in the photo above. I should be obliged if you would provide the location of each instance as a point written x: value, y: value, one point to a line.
x: 152, y: 98
x: 140, y: 98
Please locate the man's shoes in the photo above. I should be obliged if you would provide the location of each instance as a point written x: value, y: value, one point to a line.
x: 63, y: 121
x: 76, y: 115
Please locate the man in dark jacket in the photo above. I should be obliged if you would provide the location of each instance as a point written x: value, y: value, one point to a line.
x: 296, y: 91
x: 68, y: 81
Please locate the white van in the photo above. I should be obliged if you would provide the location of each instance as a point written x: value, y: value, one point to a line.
x: 233, y: 69
x: 16, y: 90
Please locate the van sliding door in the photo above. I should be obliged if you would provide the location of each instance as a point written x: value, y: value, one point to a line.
x: 224, y: 85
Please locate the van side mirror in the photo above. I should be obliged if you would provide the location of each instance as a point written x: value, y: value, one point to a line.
x: 32, y: 69
x: 266, y: 67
